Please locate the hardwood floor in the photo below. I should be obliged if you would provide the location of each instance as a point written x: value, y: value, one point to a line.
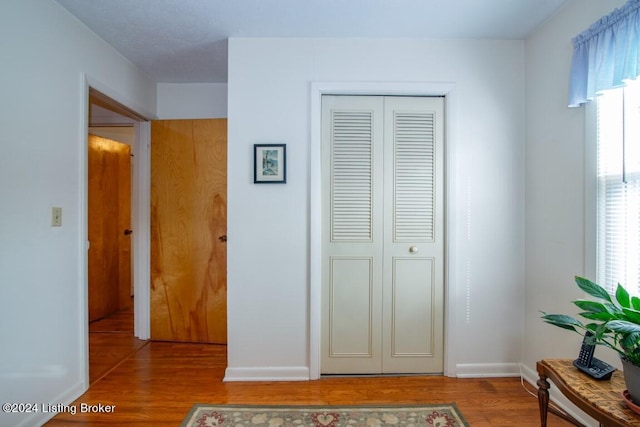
x: 111, y: 342
x: 157, y: 383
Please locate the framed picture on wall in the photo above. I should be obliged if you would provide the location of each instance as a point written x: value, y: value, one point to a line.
x: 269, y: 163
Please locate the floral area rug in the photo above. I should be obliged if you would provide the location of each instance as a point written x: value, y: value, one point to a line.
x: 442, y: 415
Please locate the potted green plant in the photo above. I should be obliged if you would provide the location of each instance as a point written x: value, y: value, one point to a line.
x: 615, y: 323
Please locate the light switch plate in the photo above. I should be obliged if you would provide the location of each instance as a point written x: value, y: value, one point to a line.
x: 56, y: 217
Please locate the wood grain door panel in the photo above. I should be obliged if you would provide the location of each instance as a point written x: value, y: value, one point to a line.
x: 109, y: 200
x: 188, y: 221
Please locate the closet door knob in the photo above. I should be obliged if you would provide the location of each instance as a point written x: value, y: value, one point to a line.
x: 413, y: 249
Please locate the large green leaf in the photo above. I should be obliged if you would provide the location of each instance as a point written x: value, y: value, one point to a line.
x: 562, y: 320
x: 623, y: 327
x: 603, y: 316
x: 631, y: 341
x: 622, y: 296
x: 631, y: 315
x: 593, y: 289
x: 598, y: 307
x: 635, y: 303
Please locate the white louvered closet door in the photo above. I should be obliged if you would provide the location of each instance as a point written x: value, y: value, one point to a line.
x: 413, y: 270
x: 382, y: 306
x: 352, y: 234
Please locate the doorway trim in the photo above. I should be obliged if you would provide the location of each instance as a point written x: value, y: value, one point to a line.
x: 317, y: 89
x: 140, y: 211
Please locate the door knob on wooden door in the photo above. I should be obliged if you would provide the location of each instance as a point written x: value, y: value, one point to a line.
x: 223, y: 238
x: 127, y: 232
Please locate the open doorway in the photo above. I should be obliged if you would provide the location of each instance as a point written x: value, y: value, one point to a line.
x: 110, y: 149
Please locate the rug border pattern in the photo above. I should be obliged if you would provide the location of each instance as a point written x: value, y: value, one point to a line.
x: 293, y: 407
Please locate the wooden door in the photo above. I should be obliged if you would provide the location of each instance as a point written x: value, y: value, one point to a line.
x: 383, y: 286
x: 109, y: 200
x: 188, y: 230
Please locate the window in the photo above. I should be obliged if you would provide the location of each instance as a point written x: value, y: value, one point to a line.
x: 618, y: 193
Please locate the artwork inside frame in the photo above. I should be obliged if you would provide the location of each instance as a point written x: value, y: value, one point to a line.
x: 269, y: 163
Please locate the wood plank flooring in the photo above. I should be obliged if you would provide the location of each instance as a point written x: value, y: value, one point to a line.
x: 157, y: 384
x: 111, y: 341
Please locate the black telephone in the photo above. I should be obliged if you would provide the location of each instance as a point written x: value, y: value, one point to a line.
x: 588, y: 364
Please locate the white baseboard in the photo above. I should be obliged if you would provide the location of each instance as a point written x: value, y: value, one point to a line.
x: 39, y: 418
x: 267, y: 374
x: 487, y: 370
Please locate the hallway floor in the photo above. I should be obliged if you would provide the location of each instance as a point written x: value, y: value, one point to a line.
x: 111, y: 342
x: 156, y: 383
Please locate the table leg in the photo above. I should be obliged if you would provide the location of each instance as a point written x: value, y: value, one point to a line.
x: 543, y: 399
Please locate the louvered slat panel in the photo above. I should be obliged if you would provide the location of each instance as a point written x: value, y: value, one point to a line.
x: 351, y: 185
x: 414, y: 176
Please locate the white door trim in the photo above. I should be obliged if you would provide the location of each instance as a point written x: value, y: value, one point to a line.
x: 318, y: 89
x: 141, y: 203
x: 141, y: 213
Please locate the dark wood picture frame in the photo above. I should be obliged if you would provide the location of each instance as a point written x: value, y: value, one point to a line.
x: 269, y: 163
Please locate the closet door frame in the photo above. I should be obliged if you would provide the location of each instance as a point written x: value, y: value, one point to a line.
x: 317, y: 89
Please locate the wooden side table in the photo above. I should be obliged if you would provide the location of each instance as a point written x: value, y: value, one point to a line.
x: 600, y: 399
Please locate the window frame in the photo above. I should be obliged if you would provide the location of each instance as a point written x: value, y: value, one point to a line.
x: 591, y: 190
x: 591, y: 182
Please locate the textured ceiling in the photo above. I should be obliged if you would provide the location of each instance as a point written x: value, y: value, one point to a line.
x: 185, y: 41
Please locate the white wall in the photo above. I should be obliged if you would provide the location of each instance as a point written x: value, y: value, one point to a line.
x: 555, y: 185
x: 45, y: 55
x: 555, y: 180
x: 192, y: 100
x: 42, y: 268
x: 269, y: 225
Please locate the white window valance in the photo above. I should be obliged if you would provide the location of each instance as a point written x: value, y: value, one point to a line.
x: 606, y: 54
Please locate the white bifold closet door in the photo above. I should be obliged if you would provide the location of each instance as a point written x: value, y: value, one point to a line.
x: 382, y: 249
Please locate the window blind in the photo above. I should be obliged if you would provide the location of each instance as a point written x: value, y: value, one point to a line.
x: 618, y: 135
